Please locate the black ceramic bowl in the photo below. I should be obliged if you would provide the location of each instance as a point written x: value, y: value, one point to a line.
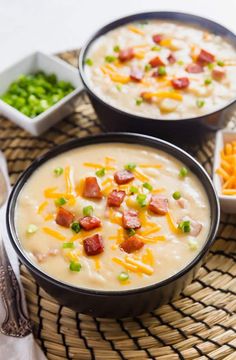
x: 126, y: 302
x: 178, y: 131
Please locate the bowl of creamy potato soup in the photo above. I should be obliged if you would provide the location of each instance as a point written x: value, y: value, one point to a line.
x: 160, y: 71
x: 113, y: 225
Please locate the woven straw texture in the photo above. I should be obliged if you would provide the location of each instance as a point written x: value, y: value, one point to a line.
x: 200, y: 324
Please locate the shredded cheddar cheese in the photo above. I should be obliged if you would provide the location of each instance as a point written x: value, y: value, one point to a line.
x: 114, y: 75
x: 98, y: 166
x: 136, y: 30
x: 171, y: 223
x: 114, y: 218
x: 48, y: 217
x: 151, y: 231
x: 140, y: 176
x: 163, y: 95
x: 147, y: 166
x: 146, y: 269
x: 229, y: 192
x: 148, y: 257
x: 69, y: 186
x: 139, y: 54
x: 106, y: 191
x: 80, y: 187
x: 151, y: 240
x: 54, y: 233
x: 51, y: 194
x: 157, y: 191
x: 127, y: 266
x: 42, y: 206
x: 97, y: 263
x: 227, y: 169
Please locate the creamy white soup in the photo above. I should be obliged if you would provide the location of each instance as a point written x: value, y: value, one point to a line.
x: 112, y: 216
x: 162, y: 69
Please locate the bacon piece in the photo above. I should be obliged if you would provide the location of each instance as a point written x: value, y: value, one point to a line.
x: 180, y: 83
x: 194, y: 68
x: 171, y: 58
x: 93, y: 245
x: 126, y: 54
x: 115, y: 198
x: 156, y: 61
x: 90, y: 222
x: 157, y: 38
x: 91, y: 188
x: 130, y: 220
x: 205, y: 57
x: 158, y: 204
x: 64, y: 217
x: 136, y: 74
x: 123, y: 177
x: 131, y: 244
x: 218, y: 74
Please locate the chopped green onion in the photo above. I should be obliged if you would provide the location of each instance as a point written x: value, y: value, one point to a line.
x: 119, y: 87
x: 183, y: 172
x: 130, y: 166
x: 176, y: 195
x: 68, y: 245
x: 116, y: 48
x: 88, y: 210
x: 184, y: 226
x: 147, y: 67
x: 89, y: 62
x: 180, y: 62
x: 208, y: 81
x: 101, y: 172
x: 58, y: 171
x: 131, y: 232
x: 193, y: 244
x: 141, y: 199
x: 75, y: 226
x: 31, y: 229
x: 110, y: 58
x: 32, y: 94
x: 133, y: 189
x: 211, y: 66
x: 156, y: 48
x: 123, y: 276
x: 220, y: 63
x: 161, y: 70
x: 148, y: 186
x: 200, y: 103
x: 74, y: 266
x: 139, y: 101
x: 61, y: 201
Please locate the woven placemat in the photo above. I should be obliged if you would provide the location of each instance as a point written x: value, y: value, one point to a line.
x: 199, y: 324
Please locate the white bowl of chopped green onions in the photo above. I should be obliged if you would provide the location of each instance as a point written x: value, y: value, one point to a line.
x: 38, y: 91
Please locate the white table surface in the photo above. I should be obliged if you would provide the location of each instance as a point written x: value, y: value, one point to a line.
x: 56, y: 25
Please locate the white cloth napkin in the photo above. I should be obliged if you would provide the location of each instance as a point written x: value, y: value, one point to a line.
x: 14, y: 348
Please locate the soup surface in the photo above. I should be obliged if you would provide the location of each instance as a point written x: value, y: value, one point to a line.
x: 112, y: 216
x: 162, y: 69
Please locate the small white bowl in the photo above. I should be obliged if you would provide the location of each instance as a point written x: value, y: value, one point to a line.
x: 227, y: 202
x: 49, y: 64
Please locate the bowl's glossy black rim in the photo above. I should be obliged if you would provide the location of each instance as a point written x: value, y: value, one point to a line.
x: 131, y: 138
x: 168, y: 15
